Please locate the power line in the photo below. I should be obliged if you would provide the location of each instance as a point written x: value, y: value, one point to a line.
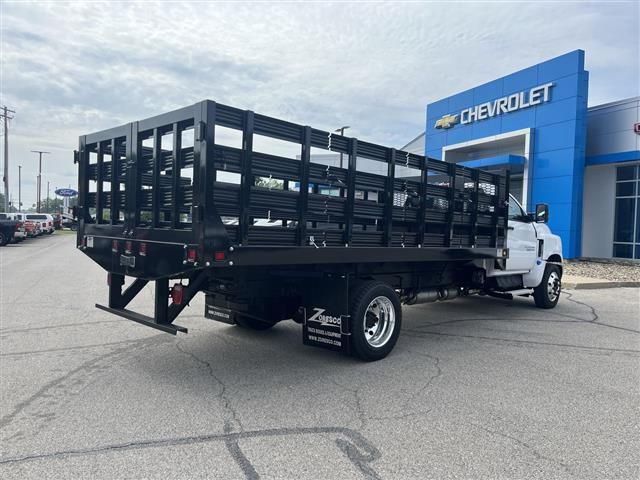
x: 6, y: 115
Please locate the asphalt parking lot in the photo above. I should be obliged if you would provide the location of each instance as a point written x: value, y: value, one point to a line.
x: 475, y: 388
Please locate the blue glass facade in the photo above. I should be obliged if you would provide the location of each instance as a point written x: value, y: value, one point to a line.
x: 557, y: 120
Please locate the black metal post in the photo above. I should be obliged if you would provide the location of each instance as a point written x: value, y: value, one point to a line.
x: 351, y: 191
x: 473, y: 237
x: 175, y: 170
x: 115, y: 182
x: 246, y: 178
x: 161, y: 300
x: 99, y: 186
x: 422, y: 192
x: 155, y: 180
x: 452, y: 204
x: 388, y: 197
x: 303, y: 195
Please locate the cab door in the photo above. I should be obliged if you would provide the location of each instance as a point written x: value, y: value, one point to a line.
x: 521, y: 239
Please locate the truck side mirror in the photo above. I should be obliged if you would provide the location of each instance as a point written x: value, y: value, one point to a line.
x: 542, y: 213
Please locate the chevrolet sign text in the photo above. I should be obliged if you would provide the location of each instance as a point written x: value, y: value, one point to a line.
x: 511, y: 103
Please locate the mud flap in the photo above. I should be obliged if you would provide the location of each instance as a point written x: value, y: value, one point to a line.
x: 220, y: 314
x: 327, y: 323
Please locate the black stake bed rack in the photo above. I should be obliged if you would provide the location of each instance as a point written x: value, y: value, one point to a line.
x: 210, y: 191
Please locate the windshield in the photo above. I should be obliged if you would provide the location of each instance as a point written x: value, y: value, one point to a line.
x: 37, y: 217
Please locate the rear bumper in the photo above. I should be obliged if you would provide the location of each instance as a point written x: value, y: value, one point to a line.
x: 160, y: 260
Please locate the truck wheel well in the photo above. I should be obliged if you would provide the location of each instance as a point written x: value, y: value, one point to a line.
x: 556, y: 258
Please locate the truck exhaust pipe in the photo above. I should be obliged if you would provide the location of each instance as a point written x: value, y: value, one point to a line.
x: 431, y: 295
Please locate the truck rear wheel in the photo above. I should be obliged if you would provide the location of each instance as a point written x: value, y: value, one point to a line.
x: 3, y: 239
x: 547, y: 294
x: 253, y: 323
x: 376, y: 317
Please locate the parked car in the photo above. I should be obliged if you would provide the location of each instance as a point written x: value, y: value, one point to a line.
x: 32, y: 229
x: 20, y: 233
x: 45, y: 219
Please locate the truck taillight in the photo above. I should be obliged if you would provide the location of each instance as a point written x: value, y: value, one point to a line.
x: 176, y: 294
x: 128, y: 247
x: 114, y: 246
x: 142, y: 249
x: 219, y: 256
x: 192, y: 255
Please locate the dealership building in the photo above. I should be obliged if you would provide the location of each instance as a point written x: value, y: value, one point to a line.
x: 584, y: 162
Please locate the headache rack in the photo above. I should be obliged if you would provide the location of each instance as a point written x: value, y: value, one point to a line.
x: 214, y: 186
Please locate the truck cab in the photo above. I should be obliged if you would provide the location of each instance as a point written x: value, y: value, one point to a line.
x: 534, y: 266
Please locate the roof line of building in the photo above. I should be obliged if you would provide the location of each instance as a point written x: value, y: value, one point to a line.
x: 612, y: 104
x: 409, y: 143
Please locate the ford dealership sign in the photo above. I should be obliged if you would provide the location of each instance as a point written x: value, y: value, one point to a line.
x: 66, y: 192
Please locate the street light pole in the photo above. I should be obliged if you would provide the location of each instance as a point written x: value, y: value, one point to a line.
x: 7, y: 116
x: 341, y: 132
x: 39, y: 152
x: 48, y: 196
x: 19, y: 188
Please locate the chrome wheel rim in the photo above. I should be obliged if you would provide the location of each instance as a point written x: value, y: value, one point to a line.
x: 379, y: 322
x: 553, y: 286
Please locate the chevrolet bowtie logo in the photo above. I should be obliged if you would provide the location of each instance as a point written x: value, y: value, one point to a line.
x: 447, y: 121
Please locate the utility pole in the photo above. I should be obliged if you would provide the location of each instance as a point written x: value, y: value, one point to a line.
x: 48, y: 196
x: 19, y: 188
x: 39, y: 152
x: 6, y: 114
x: 341, y: 131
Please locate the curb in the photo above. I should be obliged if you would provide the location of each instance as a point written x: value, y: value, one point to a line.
x: 598, y: 285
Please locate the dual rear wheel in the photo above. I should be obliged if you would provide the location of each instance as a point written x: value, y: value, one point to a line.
x: 376, y: 318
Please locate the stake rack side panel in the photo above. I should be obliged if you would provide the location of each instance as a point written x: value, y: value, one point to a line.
x: 216, y: 176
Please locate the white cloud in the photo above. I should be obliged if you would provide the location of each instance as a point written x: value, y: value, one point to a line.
x: 69, y: 69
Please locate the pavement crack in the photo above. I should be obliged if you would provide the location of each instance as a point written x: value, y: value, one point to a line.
x: 592, y: 309
x: 3, y: 332
x: 595, y: 316
x: 422, y: 333
x: 66, y: 349
x: 222, y: 396
x: 358, y: 449
x: 419, y: 413
x: 358, y: 407
x: 430, y: 380
x: 526, y: 446
x: 60, y: 381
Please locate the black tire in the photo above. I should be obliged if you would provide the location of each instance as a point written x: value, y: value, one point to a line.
x: 361, y: 298
x: 251, y: 323
x: 547, y: 294
x: 3, y: 240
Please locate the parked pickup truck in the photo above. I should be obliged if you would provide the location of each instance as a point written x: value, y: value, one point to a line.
x: 45, y: 220
x: 268, y: 236
x: 7, y: 230
x: 20, y: 233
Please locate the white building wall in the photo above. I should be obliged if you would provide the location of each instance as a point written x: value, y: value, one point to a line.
x: 598, y: 210
x: 610, y: 127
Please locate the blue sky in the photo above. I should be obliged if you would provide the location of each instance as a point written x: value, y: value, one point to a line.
x: 73, y: 68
